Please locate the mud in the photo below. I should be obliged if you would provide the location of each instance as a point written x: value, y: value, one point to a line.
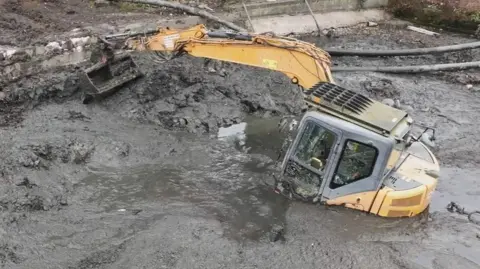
x: 140, y: 180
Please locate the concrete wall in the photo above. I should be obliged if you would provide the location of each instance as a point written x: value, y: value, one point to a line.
x: 296, y: 7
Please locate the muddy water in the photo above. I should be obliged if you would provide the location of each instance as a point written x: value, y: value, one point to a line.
x: 228, y: 185
x: 230, y: 189
x: 115, y: 185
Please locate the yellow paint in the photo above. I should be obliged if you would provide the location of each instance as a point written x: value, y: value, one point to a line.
x: 394, y: 156
x: 388, y: 210
x: 379, y: 199
x: 359, y: 201
x: 270, y: 64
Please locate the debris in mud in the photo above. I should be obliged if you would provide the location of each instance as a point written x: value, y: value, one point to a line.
x: 277, y: 233
x: 26, y: 182
x: 454, y: 207
x: 101, y: 258
x: 7, y: 254
x: 10, y: 114
x: 74, y: 115
x: 382, y: 88
x: 81, y: 152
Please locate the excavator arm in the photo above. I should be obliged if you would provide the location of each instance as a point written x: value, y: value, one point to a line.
x: 302, y: 62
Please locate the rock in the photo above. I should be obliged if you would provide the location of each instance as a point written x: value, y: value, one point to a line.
x: 24, y: 181
x: 388, y: 102
x: 63, y: 201
x: 330, y: 33
x: 67, y: 45
x: 372, y: 24
x: 469, y: 86
x: 40, y: 50
x: 407, y: 108
x: 2, y: 56
x: 2, y: 96
x: 477, y: 33
x: 397, y: 104
x: 277, y: 233
x: 81, y: 152
x: 53, y: 47
x: 204, y: 6
x: 80, y: 41
x: 382, y: 88
x: 20, y: 56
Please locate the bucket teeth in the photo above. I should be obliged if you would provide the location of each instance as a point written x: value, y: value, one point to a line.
x: 104, y: 79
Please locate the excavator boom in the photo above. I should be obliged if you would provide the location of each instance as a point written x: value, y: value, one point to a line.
x: 302, y: 62
x: 305, y: 64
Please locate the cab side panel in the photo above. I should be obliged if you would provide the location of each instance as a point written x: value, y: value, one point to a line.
x: 359, y: 201
x: 405, y: 203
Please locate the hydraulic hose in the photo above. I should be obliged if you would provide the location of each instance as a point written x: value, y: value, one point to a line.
x: 410, y: 69
x: 403, y: 52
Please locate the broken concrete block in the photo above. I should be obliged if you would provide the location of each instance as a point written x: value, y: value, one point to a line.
x: 53, y: 47
x: 92, y: 40
x: 30, y: 52
x: 388, y: 102
x: 80, y: 41
x: 372, y: 24
x: 20, y: 56
x: 40, y: 50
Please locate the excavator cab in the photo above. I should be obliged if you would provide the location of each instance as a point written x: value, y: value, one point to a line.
x: 365, y: 164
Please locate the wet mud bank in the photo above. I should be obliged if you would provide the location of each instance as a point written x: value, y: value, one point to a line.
x: 461, y: 15
x: 140, y: 180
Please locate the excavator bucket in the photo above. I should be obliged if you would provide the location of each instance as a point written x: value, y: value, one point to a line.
x: 104, y: 79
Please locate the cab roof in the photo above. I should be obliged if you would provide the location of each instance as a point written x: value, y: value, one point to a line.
x: 358, y: 109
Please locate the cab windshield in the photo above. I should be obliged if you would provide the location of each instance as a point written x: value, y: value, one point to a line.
x: 310, y: 158
x: 315, y: 146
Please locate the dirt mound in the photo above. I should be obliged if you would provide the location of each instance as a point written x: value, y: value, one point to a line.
x: 188, y: 94
x: 457, y: 14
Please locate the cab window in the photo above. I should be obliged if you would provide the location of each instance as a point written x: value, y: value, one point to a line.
x: 356, y: 162
x: 315, y: 145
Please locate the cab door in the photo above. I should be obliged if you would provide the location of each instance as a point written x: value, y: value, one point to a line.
x: 311, y: 157
x: 357, y: 172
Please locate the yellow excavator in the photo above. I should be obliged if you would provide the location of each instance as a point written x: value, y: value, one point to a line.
x: 347, y: 149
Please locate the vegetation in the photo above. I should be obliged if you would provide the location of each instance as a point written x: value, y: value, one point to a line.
x: 459, y: 14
